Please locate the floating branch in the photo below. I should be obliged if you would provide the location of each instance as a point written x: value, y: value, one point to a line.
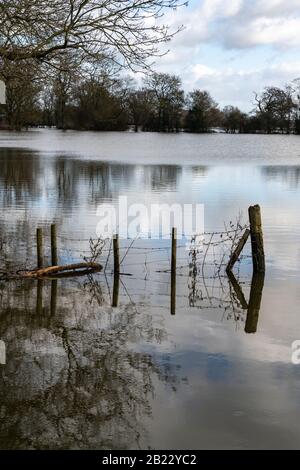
x: 53, y: 271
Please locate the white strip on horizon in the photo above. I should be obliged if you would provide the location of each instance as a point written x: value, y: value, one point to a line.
x: 2, y: 93
x: 2, y: 353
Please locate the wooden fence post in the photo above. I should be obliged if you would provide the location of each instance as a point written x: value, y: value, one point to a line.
x: 54, y: 258
x: 258, y: 255
x: 173, y: 271
x: 116, y: 255
x: 39, y: 244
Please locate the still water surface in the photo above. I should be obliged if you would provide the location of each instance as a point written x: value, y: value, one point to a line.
x: 81, y: 374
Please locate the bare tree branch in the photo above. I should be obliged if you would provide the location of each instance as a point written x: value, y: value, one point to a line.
x: 128, y: 31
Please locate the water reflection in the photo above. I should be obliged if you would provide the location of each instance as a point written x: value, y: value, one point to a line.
x: 240, y: 297
x: 165, y: 177
x: 199, y: 171
x: 116, y: 290
x: 254, y: 304
x: 75, y: 377
x: 19, y: 177
x: 53, y: 304
x: 26, y: 176
x: 287, y: 175
x: 89, y: 360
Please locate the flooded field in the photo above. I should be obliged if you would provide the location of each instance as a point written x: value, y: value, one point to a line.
x: 80, y: 373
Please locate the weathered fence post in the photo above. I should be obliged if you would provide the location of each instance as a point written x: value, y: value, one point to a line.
x: 116, y: 254
x: 173, y: 271
x: 54, y: 258
x: 258, y: 255
x: 39, y: 244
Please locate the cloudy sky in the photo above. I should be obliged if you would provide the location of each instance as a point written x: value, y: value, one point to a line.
x: 233, y: 47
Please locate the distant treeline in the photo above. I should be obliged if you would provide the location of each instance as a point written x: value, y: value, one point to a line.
x: 100, y: 102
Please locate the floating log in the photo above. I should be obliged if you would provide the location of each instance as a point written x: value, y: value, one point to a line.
x: 69, y: 274
x: 70, y: 269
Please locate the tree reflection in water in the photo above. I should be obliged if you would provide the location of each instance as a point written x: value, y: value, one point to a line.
x: 76, y: 375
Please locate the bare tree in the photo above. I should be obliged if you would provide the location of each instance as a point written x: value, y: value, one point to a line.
x: 128, y: 31
x: 168, y: 100
x: 22, y: 94
x: 295, y: 88
x: 140, y: 105
x: 64, y: 78
x: 233, y: 119
x: 203, y: 112
x: 274, y: 107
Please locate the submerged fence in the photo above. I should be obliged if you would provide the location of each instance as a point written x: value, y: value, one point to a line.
x: 216, y: 252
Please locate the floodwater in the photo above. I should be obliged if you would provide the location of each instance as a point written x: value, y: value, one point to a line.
x: 78, y: 373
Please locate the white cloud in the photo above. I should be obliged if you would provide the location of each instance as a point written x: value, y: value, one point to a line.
x: 240, y: 23
x: 202, y: 71
x: 221, y: 35
x: 271, y: 8
x: 278, y: 32
x: 236, y: 86
x: 231, y: 84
